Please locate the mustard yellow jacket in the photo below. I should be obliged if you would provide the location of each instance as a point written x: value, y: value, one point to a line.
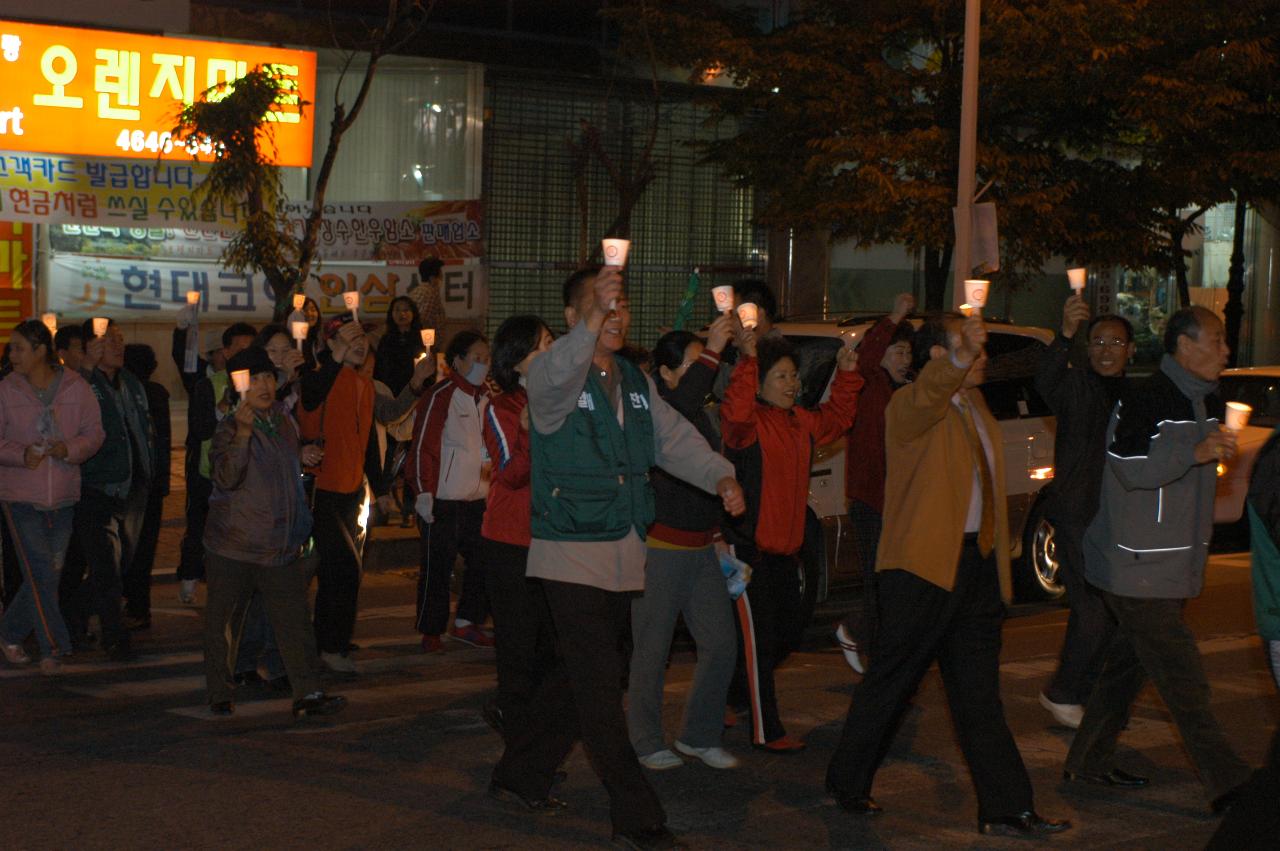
x: 929, y: 480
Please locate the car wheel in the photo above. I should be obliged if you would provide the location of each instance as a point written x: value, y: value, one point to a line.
x: 1035, y: 576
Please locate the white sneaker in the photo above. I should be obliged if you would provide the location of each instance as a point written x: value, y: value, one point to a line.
x: 714, y: 757
x: 187, y: 592
x: 1066, y: 714
x: 849, y: 648
x: 338, y: 663
x: 15, y: 654
x: 661, y: 760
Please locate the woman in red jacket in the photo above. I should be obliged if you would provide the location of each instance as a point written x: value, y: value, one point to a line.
x: 521, y: 621
x: 770, y: 442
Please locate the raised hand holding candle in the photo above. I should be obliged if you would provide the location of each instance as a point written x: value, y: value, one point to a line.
x: 352, y: 301
x: 240, y: 379
x: 749, y: 314
x: 723, y: 296
x: 975, y: 293
x: 615, y: 254
x: 100, y: 326
x: 50, y: 321
x: 1238, y: 415
x: 1076, y: 278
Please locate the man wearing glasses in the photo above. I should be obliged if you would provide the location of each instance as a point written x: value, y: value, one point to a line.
x: 1082, y: 393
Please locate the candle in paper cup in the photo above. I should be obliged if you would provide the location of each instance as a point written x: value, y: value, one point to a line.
x: 299, y: 301
x: 352, y: 301
x: 240, y: 378
x: 1076, y: 278
x: 966, y: 309
x: 749, y: 314
x: 975, y: 293
x: 724, y: 297
x: 100, y: 326
x: 615, y: 251
x: 428, y: 337
x: 193, y: 297
x: 50, y: 321
x: 1238, y: 415
x: 299, y: 328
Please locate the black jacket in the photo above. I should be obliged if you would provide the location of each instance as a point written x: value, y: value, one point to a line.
x: 679, y: 504
x: 1082, y: 401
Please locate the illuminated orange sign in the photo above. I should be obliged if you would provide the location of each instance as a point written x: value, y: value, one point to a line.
x: 15, y: 276
x: 113, y: 94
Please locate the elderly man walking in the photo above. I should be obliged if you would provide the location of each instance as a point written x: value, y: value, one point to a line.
x: 943, y: 563
x: 1146, y: 551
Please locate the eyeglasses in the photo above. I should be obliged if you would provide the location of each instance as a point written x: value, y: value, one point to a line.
x: 1107, y: 344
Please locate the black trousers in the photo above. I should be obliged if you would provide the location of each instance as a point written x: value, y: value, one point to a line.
x: 1152, y: 640
x: 860, y: 623
x: 582, y: 697
x: 920, y: 622
x: 1090, y: 626
x: 107, y: 529
x: 136, y: 581
x: 523, y: 631
x: 11, y: 578
x: 770, y: 627
x: 338, y: 572
x: 456, y: 530
x: 199, y: 489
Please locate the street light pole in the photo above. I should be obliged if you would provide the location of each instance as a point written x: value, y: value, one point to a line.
x: 965, y: 180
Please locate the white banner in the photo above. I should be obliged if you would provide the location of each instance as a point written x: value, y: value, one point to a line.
x: 155, y: 290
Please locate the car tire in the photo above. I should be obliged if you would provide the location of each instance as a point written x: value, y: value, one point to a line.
x: 1035, y: 574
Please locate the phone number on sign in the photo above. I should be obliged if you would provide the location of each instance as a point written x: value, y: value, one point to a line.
x: 158, y: 142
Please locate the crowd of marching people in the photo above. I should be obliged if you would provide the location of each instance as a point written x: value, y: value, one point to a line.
x: 598, y: 494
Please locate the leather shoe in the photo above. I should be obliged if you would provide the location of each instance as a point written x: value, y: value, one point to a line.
x: 1115, y: 777
x: 547, y: 805
x: 1029, y: 823
x: 648, y: 838
x: 859, y: 805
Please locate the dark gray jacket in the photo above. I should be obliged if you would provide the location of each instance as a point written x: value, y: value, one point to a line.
x: 1150, y: 537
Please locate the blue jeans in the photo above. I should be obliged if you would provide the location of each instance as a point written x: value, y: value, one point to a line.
x: 40, y: 540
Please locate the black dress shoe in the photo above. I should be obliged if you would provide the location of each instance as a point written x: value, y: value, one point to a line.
x: 222, y: 708
x: 1115, y: 777
x: 1029, y: 823
x: 319, y: 704
x: 859, y: 805
x: 547, y: 805
x: 648, y: 838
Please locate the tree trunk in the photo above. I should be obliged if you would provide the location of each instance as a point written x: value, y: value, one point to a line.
x: 1234, y: 310
x: 937, y: 272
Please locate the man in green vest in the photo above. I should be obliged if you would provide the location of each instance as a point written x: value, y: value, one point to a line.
x: 598, y: 427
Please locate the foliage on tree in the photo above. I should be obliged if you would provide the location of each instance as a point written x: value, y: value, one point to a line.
x: 1102, y: 123
x: 233, y: 117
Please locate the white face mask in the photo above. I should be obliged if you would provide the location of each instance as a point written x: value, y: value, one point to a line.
x: 476, y: 374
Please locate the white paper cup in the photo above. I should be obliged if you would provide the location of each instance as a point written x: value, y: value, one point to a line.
x: 50, y: 321
x: 240, y: 379
x: 966, y: 309
x: 1238, y: 415
x: 975, y: 292
x: 299, y: 301
x: 1076, y: 278
x: 193, y: 297
x: 615, y: 251
x: 351, y: 300
x: 723, y: 296
x: 100, y: 326
x: 299, y: 329
x: 428, y: 337
x: 749, y: 314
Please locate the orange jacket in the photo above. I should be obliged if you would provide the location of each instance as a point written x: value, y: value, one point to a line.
x: 343, y: 420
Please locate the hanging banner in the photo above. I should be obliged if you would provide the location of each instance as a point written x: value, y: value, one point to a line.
x: 15, y: 276
x: 398, y: 232
x: 116, y: 94
x: 155, y: 290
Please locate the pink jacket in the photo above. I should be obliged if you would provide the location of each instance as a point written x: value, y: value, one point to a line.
x: 78, y: 421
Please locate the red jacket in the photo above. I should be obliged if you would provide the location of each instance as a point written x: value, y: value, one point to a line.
x: 344, y: 420
x: 506, y: 517
x: 785, y: 441
x: 864, y: 468
x: 447, y: 455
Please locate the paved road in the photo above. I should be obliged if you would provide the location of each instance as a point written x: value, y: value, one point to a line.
x: 126, y: 756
